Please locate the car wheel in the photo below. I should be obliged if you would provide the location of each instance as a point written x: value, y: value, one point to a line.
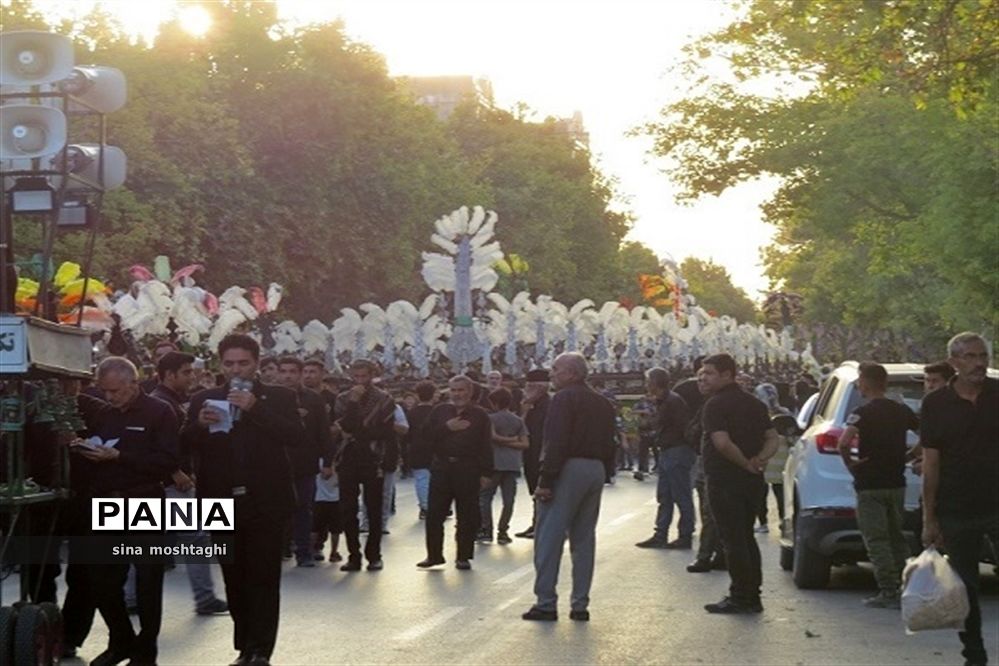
x: 8, y: 617
x: 31, y: 637
x: 810, y: 570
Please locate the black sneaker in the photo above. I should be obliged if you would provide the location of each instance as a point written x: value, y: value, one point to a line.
x: 503, y: 539
x: 423, y: 514
x: 351, y: 565
x: 464, y: 565
x: 213, y: 607
x: 318, y: 556
x: 336, y: 557
x: 526, y: 534
x: 579, y: 615
x: 699, y: 566
x: 430, y: 562
x: 538, y: 615
x: 729, y: 606
x: 654, y: 541
x: 680, y: 544
x: 377, y: 565
x: 484, y: 537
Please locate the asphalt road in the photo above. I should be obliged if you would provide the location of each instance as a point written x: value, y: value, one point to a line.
x: 646, y: 609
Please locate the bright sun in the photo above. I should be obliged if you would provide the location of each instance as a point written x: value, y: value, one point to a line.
x: 194, y: 20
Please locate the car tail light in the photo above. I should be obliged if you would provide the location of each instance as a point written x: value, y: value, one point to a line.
x: 839, y: 512
x: 828, y: 441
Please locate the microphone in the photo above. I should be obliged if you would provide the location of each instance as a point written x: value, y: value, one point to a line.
x: 237, y: 384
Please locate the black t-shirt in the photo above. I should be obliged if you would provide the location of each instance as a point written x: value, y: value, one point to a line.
x: 420, y: 448
x: 687, y: 389
x: 746, y: 421
x: 881, y: 425
x: 967, y: 436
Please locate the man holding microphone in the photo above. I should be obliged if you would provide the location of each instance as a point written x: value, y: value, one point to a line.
x: 247, y: 462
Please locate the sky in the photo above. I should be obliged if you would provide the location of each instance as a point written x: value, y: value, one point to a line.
x: 609, y: 59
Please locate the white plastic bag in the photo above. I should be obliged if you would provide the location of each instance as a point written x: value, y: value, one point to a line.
x: 934, y: 596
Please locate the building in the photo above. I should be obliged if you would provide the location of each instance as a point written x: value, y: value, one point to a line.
x: 444, y: 93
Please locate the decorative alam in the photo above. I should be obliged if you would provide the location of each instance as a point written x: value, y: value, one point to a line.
x: 462, y: 322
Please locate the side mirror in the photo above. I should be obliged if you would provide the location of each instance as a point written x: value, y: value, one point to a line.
x: 786, y: 425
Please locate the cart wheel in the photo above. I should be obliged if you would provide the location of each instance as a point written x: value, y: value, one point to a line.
x: 31, y: 637
x: 8, y: 616
x: 56, y: 639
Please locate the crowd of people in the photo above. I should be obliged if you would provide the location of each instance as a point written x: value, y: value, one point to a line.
x: 307, y: 459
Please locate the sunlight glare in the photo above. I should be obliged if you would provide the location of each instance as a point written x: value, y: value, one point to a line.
x: 195, y: 21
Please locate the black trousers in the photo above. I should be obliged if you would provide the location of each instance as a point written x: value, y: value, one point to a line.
x: 253, y: 578
x: 733, y: 505
x: 352, y: 480
x: 78, y: 607
x: 106, y: 582
x: 709, y: 545
x: 963, y: 538
x: 458, y: 483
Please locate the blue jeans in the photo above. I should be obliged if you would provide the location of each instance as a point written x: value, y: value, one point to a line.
x: 305, y: 492
x: 674, y: 488
x: 507, y: 484
x: 421, y: 482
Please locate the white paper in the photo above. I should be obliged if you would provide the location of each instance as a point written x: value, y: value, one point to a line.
x: 222, y: 407
x: 95, y: 442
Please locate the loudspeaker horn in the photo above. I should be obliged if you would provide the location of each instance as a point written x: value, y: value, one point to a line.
x: 32, y: 57
x: 101, y: 89
x: 30, y: 130
x: 84, y: 159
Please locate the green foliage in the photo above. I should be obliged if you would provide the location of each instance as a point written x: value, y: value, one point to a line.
x: 712, y: 286
x: 552, y: 203
x: 887, y: 146
x: 271, y: 154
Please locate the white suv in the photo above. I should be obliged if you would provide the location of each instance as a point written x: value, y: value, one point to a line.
x: 820, y: 524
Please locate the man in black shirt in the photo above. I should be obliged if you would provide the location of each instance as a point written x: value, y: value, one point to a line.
x: 460, y: 433
x: 365, y: 414
x: 676, y: 460
x: 175, y: 371
x: 960, y: 437
x: 879, y: 478
x: 145, y: 453
x: 420, y: 447
x: 305, y: 459
x: 534, y: 411
x: 580, y: 443
x: 248, y: 463
x: 740, y: 441
x: 688, y: 388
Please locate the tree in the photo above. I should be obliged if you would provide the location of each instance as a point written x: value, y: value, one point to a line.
x: 887, y: 149
x: 289, y: 155
x: 712, y: 286
x: 552, y: 204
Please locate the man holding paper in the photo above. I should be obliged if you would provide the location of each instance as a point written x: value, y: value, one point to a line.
x: 134, y: 447
x: 238, y: 433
